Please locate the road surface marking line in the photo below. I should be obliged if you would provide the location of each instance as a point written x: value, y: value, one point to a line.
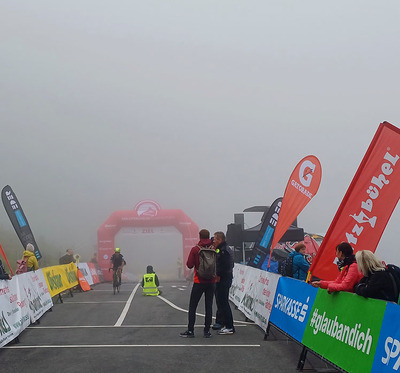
x: 126, y: 308
x: 105, y: 302
x: 198, y: 314
x: 113, y: 326
x: 119, y: 346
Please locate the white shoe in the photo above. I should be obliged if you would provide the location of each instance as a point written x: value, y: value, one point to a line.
x: 226, y: 331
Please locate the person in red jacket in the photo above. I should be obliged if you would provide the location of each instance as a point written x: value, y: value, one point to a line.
x: 349, y: 274
x: 200, y: 286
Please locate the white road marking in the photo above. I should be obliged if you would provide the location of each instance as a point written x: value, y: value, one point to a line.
x: 119, y: 346
x: 113, y: 326
x: 126, y: 308
x: 198, y: 314
x: 111, y: 301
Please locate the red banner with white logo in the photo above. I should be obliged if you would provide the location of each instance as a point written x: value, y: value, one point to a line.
x: 302, y: 187
x: 368, y: 204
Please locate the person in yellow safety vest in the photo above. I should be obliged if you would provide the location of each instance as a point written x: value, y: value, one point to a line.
x: 150, y: 282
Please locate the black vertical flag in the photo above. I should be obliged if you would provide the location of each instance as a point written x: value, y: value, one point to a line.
x: 262, y: 246
x: 18, y: 219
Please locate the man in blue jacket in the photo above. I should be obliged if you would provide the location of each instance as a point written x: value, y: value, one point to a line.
x: 300, y: 264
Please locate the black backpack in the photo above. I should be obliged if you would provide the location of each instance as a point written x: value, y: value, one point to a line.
x: 285, y: 267
x: 207, y: 263
x: 395, y: 276
x: 117, y: 260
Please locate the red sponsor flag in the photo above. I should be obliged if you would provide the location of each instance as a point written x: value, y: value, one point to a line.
x: 368, y: 203
x: 3, y: 254
x: 302, y: 187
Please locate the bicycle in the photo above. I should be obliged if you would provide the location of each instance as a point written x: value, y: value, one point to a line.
x: 117, y: 279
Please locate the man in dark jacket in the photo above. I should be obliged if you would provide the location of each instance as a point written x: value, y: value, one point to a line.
x: 224, y: 281
x: 68, y: 257
x: 200, y: 286
x: 3, y: 273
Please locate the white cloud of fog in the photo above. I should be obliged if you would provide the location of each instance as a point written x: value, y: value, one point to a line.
x: 203, y: 106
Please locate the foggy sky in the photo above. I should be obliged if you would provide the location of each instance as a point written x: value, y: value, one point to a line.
x: 204, y: 106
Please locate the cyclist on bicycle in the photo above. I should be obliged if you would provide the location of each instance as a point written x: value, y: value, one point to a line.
x: 117, y: 262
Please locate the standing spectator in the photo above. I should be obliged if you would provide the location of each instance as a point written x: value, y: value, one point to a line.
x: 300, y: 264
x: 349, y: 273
x: 179, y: 267
x: 3, y: 274
x: 68, y: 257
x: 377, y: 281
x: 32, y: 262
x: 224, y: 281
x: 200, y: 286
x: 94, y: 258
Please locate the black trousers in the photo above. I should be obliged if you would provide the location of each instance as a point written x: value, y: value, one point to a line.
x: 224, y: 312
x: 195, y: 295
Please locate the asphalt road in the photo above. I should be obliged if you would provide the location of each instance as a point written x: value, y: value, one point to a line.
x: 98, y: 331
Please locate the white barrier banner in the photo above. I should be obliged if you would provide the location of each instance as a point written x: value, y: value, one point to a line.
x: 37, y: 293
x: 14, y: 309
x: 84, y: 268
x: 253, y: 291
x: 93, y: 272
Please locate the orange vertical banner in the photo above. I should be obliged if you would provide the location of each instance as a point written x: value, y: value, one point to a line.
x: 368, y: 203
x: 82, y: 281
x: 302, y: 187
x: 3, y: 254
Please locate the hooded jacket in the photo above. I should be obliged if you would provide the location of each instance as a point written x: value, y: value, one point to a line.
x: 300, y: 265
x: 32, y: 262
x: 150, y: 269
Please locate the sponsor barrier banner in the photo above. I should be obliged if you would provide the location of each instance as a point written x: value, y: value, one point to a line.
x: 14, y: 310
x: 93, y: 272
x: 302, y: 186
x: 84, y: 268
x: 36, y: 292
x: 23, y: 299
x: 292, y: 306
x: 368, y: 203
x: 253, y: 291
x: 387, y: 355
x: 338, y: 330
x: 60, y: 278
x: 18, y: 219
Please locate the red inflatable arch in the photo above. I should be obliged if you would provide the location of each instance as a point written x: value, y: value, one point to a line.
x: 146, y: 214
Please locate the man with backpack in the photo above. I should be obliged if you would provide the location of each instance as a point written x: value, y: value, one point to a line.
x: 203, y: 259
x: 224, y: 281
